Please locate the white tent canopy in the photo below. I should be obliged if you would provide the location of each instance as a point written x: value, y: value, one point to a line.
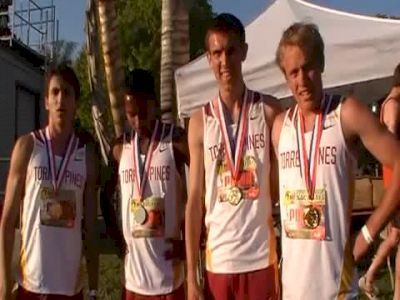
x: 360, y: 53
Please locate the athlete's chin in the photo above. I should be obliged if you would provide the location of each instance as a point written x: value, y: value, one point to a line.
x: 62, y: 121
x: 307, y: 101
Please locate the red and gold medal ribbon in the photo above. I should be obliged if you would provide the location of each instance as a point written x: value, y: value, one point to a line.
x: 234, y: 156
x: 57, y: 177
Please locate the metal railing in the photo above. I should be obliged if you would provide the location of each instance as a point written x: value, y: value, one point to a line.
x: 34, y: 24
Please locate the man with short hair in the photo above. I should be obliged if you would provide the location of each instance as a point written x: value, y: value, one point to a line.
x: 315, y: 142
x: 149, y: 163
x: 52, y: 184
x: 229, y: 143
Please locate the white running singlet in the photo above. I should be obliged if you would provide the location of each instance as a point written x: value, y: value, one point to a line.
x: 240, y: 236
x: 316, y: 249
x: 51, y: 236
x: 147, y: 272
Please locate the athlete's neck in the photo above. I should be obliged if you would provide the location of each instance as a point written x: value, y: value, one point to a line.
x: 59, y: 136
x: 232, y: 98
x: 309, y: 111
x: 146, y: 130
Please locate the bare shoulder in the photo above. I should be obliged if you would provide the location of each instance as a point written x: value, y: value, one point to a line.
x: 353, y: 110
x: 116, y: 148
x: 195, y: 134
x: 196, y: 118
x: 280, y: 117
x: 391, y: 105
x: 357, y: 119
x: 277, y: 127
x: 23, y: 147
x: 272, y: 108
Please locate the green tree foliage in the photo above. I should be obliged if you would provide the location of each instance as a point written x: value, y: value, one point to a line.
x: 140, y: 27
x: 139, y: 23
x: 84, y: 106
x: 63, y: 52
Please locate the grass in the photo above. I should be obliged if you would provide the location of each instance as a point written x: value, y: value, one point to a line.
x: 110, y: 274
x: 110, y: 271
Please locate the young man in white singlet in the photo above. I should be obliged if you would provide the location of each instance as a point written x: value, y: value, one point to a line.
x: 315, y: 142
x: 229, y: 142
x: 52, y: 186
x: 149, y: 162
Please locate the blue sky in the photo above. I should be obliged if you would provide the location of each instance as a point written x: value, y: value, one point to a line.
x: 71, y: 13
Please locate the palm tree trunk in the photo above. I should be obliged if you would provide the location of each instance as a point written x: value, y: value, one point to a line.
x: 96, y: 78
x: 112, y: 62
x: 166, y: 70
x: 175, y: 51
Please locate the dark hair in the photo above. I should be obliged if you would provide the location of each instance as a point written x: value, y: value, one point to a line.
x: 67, y: 74
x: 307, y: 37
x: 140, y: 81
x: 396, y: 76
x: 226, y: 23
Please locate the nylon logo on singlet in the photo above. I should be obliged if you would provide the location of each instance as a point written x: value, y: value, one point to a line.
x: 291, y: 159
x: 155, y: 173
x: 74, y: 178
x: 254, y: 141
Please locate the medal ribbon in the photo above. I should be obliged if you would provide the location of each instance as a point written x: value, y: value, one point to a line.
x: 310, y: 162
x: 141, y: 175
x: 234, y: 156
x: 57, y: 177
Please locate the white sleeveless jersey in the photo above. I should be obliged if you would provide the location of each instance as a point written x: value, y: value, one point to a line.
x: 147, y: 272
x: 51, y: 236
x: 240, y: 237
x: 316, y: 249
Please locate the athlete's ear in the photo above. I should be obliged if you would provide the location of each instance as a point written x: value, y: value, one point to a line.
x: 245, y: 48
x: 208, y: 54
x: 46, y: 102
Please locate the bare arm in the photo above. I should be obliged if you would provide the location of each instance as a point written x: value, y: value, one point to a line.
x: 275, y: 135
x: 181, y: 156
x: 194, y: 207
x: 272, y: 109
x: 181, y: 147
x: 391, y: 115
x: 13, y: 198
x: 359, y: 122
x: 107, y: 198
x: 90, y: 216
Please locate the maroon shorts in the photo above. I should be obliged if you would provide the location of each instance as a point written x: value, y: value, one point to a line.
x: 178, y: 294
x: 23, y: 294
x: 256, y: 285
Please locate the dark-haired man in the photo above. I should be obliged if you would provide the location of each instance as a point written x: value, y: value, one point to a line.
x: 149, y: 162
x: 52, y: 184
x: 229, y: 143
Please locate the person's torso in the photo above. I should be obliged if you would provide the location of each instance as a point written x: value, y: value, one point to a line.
x: 146, y: 269
x: 386, y: 171
x: 240, y: 235
x: 316, y: 249
x: 51, y: 238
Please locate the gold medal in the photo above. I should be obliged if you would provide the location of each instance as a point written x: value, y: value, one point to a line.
x: 312, y: 217
x: 45, y: 193
x: 55, y: 210
x: 234, y: 195
x: 140, y: 214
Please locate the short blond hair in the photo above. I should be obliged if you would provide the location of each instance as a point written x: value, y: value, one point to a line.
x: 307, y: 37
